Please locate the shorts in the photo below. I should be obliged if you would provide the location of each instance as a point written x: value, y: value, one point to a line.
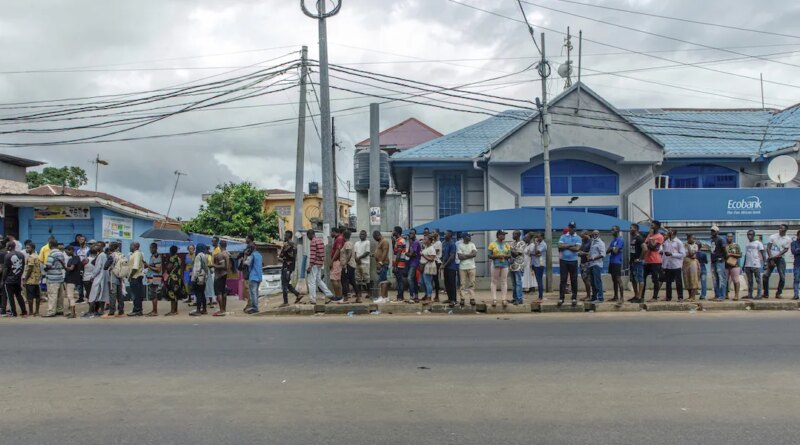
x: 336, y: 271
x: 362, y: 273
x: 585, y: 273
x: 219, y: 285
x: 383, y: 273
x: 33, y: 292
x: 637, y: 272
x: 615, y: 270
x: 153, y: 292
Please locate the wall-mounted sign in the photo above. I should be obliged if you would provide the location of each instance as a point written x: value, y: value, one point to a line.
x: 61, y: 212
x: 747, y: 204
x: 117, y: 228
x: 375, y: 216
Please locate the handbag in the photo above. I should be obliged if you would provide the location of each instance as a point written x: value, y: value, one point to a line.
x: 430, y: 268
x: 732, y: 262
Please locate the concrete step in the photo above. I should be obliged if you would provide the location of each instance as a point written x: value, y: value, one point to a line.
x: 670, y: 306
x: 724, y: 305
x: 612, y: 307
x: 553, y: 307
x: 775, y: 305
x: 524, y: 308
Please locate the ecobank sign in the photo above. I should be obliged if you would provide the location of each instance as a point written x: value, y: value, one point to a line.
x: 773, y: 204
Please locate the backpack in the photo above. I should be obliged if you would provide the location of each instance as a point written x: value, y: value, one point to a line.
x: 121, y: 268
x: 202, y: 273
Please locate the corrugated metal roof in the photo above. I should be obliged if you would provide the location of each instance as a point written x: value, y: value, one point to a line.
x: 409, y: 133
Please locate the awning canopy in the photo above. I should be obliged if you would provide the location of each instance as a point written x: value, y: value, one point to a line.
x: 525, y: 219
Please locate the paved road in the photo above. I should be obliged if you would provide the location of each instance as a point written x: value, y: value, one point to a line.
x: 559, y: 379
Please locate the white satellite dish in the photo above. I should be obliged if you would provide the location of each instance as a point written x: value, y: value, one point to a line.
x: 782, y: 169
x: 565, y: 69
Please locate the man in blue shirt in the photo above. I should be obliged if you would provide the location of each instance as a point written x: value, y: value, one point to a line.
x: 568, y: 245
x: 615, y: 263
x: 450, y: 267
x: 254, y: 279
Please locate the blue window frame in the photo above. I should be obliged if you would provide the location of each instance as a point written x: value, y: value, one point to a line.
x: 449, y: 194
x: 705, y: 176
x: 609, y: 211
x: 571, y: 177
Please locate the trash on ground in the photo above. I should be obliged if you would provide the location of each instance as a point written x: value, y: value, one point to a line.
x: 423, y: 367
x: 375, y: 312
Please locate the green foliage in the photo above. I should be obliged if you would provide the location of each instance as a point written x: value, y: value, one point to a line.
x: 235, y: 210
x: 74, y: 177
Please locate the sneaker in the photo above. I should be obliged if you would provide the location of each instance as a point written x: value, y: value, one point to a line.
x: 560, y: 302
x: 195, y: 314
x: 595, y: 301
x: 135, y: 314
x: 379, y: 300
x: 221, y: 314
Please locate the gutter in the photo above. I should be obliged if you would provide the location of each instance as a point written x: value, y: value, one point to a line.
x: 484, y: 158
x: 43, y: 200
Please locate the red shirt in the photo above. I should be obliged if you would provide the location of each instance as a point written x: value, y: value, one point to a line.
x: 338, y: 243
x: 316, y: 252
x: 653, y: 256
x: 400, y: 253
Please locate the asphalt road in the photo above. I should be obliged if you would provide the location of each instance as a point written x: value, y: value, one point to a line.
x: 555, y: 379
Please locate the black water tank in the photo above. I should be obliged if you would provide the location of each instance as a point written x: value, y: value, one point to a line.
x: 313, y: 188
x: 361, y: 171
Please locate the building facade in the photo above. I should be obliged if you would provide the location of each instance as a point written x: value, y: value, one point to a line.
x: 282, y: 202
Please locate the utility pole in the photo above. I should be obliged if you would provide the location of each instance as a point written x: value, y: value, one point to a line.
x: 761, y: 76
x: 335, y: 175
x: 178, y: 175
x: 568, y: 45
x: 97, y: 163
x: 374, y: 180
x: 328, y: 174
x: 544, y: 73
x: 299, y: 196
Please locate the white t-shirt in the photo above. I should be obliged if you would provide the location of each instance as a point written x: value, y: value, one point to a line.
x: 438, y: 247
x: 779, y: 243
x: 465, y: 249
x: 362, y: 247
x: 458, y: 245
x: 752, y: 254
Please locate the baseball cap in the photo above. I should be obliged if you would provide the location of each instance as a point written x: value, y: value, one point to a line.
x: 501, y: 232
x: 714, y: 229
x: 466, y: 234
x: 91, y: 241
x: 572, y: 224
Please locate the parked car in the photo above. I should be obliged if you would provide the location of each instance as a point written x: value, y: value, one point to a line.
x: 271, y: 281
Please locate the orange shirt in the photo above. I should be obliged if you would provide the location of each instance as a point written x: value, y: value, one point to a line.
x: 653, y: 256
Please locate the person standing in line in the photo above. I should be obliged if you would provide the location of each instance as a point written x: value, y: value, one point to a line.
x: 316, y: 259
x: 15, y: 265
x: 399, y: 269
x: 288, y: 259
x: 155, y: 272
x: 255, y: 277
x: 450, y: 267
x: 702, y: 260
x: 382, y: 266
x: 755, y: 257
x: 187, y: 272
x: 597, y: 252
x: 201, y: 273
x: 636, y: 264
x: 210, y: 253
x: 528, y: 279
x: 733, y: 253
x: 437, y: 245
x: 222, y: 263
x: 429, y: 267
x: 116, y: 283
x: 568, y: 247
x: 32, y: 277
x: 691, y: 267
x: 585, y: 272
x: 54, y: 271
x: 718, y: 264
x: 795, y: 246
x: 652, y: 259
x: 175, y: 286
x: 136, y: 279
x: 82, y: 252
x: 73, y: 278
x: 538, y: 254
x: 413, y: 253
x: 673, y: 255
x: 362, y: 253
x: 336, y: 264
x: 615, y: 264
x: 517, y: 265
x: 499, y: 254
x: 466, y: 253
x: 348, y: 260
x: 777, y: 246
x: 99, y: 295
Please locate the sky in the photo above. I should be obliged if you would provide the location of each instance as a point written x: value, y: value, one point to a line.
x: 84, y: 48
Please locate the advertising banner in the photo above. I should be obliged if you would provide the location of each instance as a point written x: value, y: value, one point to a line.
x: 747, y: 204
x: 117, y: 228
x: 61, y: 212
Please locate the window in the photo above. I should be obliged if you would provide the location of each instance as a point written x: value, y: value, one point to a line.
x: 449, y: 194
x: 706, y: 176
x: 283, y: 210
x: 571, y: 177
x: 608, y: 211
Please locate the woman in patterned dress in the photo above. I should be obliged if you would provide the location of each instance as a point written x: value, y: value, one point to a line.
x: 174, y: 288
x: 691, y: 268
x: 187, y: 273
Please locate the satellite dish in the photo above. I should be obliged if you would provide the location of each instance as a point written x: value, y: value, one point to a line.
x: 565, y: 69
x: 782, y: 169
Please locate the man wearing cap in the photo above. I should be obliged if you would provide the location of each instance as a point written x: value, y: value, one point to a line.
x: 777, y: 247
x: 754, y: 260
x: 568, y: 246
x: 466, y: 252
x: 718, y: 255
x: 652, y: 258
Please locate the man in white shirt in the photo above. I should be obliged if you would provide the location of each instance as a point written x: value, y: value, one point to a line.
x: 754, y: 259
x: 777, y: 247
x: 538, y: 253
x: 673, y: 252
x: 466, y: 253
x: 437, y: 246
x: 362, y: 252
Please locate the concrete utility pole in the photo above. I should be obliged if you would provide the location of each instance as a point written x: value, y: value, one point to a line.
x: 374, y: 181
x: 299, y: 195
x: 544, y: 73
x: 178, y: 175
x: 328, y: 174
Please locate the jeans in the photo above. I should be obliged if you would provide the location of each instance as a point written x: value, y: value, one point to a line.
x: 314, y: 281
x: 427, y: 281
x: 568, y: 268
x: 137, y: 289
x: 516, y: 278
x: 781, y: 265
x: 597, y: 282
x: 253, y: 303
x: 753, y: 275
x: 400, y: 281
x: 116, y: 299
x: 80, y: 289
x: 450, y: 280
x: 413, y: 285
x: 704, y: 282
x: 720, y: 279
x: 286, y: 284
x: 538, y: 272
x: 201, y: 302
x: 796, y: 280
x: 676, y: 276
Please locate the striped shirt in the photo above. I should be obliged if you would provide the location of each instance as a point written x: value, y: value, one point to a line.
x: 316, y: 252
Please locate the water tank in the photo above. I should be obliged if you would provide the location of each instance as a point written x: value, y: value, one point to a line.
x: 361, y: 171
x: 313, y: 188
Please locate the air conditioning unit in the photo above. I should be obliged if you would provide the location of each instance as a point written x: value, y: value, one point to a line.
x: 766, y: 184
x: 662, y: 182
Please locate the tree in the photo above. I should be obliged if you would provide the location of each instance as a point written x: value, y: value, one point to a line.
x: 235, y: 210
x: 74, y: 177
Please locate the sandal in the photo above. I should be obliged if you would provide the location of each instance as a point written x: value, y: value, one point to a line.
x: 462, y: 302
x: 472, y: 302
x: 151, y: 314
x: 168, y: 314
x: 505, y: 304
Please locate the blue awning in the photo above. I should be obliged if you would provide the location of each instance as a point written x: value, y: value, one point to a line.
x: 525, y: 219
x: 197, y: 238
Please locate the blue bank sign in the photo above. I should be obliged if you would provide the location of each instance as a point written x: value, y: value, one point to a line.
x: 771, y: 204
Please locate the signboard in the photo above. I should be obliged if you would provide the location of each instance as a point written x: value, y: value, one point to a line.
x: 117, y: 228
x: 747, y: 204
x: 61, y: 212
x: 374, y: 216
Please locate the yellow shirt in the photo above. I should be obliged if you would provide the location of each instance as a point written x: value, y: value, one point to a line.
x: 213, y: 253
x: 44, y: 253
